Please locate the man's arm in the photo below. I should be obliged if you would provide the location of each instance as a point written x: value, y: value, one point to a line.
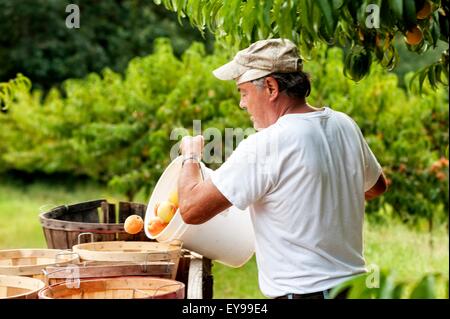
x: 199, y: 200
x: 379, y: 188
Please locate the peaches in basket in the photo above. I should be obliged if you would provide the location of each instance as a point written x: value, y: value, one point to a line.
x: 164, y: 212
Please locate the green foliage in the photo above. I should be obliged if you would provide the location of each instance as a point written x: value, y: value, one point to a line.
x: 383, y: 285
x: 36, y: 42
x: 116, y: 129
x: 8, y: 89
x: 343, y: 23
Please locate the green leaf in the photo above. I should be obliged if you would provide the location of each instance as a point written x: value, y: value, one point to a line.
x: 409, y: 13
x: 337, y: 4
x: 398, y: 291
x: 397, y: 8
x: 305, y: 16
x: 425, y: 289
x: 327, y: 11
x: 250, y: 11
x: 387, y: 287
x: 353, y: 287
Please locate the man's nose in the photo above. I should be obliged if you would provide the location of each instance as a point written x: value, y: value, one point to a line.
x: 242, y: 105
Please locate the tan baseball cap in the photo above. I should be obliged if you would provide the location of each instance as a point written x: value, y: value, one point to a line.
x: 260, y: 59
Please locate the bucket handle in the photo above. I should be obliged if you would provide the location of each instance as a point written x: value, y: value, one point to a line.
x: 66, y: 252
x: 166, y: 257
x: 225, y: 212
x: 91, y: 235
x: 199, y: 165
x: 47, y: 274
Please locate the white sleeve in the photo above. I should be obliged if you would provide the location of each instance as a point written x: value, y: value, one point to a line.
x: 245, y: 176
x: 372, y: 169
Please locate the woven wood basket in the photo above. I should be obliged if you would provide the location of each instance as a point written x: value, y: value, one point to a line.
x: 117, y: 288
x: 18, y: 287
x: 32, y: 262
x: 163, y: 256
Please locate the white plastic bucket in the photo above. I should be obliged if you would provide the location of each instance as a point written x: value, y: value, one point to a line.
x: 227, y: 237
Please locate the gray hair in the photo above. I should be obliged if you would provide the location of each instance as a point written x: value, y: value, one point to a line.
x: 296, y: 84
x: 259, y: 83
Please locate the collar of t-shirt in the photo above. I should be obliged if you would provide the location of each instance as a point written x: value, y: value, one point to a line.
x: 321, y: 112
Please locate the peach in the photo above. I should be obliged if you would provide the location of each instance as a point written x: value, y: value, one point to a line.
x: 156, y: 225
x: 425, y: 11
x: 133, y: 224
x: 414, y: 36
x: 166, y: 210
x: 173, y: 197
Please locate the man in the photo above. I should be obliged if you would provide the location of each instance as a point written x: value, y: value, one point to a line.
x: 304, y: 176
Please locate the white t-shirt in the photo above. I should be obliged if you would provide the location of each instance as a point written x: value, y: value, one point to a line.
x: 303, y: 179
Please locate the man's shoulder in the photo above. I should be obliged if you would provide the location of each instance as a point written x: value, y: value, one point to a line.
x: 341, y: 115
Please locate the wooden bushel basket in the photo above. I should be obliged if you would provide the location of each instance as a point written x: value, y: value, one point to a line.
x: 31, y: 262
x: 96, y: 270
x: 63, y: 224
x: 117, y: 288
x: 18, y: 287
x: 153, y: 256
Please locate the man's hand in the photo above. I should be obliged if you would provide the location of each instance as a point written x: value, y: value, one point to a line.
x: 192, y: 146
x: 199, y: 200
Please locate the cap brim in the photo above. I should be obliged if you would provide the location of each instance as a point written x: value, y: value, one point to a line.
x: 235, y: 71
x: 229, y: 71
x: 251, y: 75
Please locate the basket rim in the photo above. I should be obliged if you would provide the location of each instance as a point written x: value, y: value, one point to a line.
x: 38, y: 282
x: 182, y: 286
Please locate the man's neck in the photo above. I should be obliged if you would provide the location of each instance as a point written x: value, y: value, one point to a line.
x: 293, y: 106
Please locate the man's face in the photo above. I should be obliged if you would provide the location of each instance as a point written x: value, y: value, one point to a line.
x: 254, y: 100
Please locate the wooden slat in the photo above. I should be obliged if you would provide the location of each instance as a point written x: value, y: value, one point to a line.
x: 109, y: 213
x: 195, y: 279
x: 127, y: 251
x: 85, y: 206
x: 138, y: 209
x: 124, y: 211
x: 125, y: 237
x: 90, y: 216
x: 107, y: 237
x: 72, y: 217
x: 81, y: 226
x: 59, y: 239
x: 14, y: 291
x: 183, y: 269
x: 208, y: 279
x: 3, y: 291
x: 48, y: 238
x: 141, y: 236
x: 72, y: 238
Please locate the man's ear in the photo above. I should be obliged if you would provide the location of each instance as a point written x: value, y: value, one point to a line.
x: 272, y: 88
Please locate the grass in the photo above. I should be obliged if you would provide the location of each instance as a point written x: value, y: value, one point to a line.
x: 392, y: 246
